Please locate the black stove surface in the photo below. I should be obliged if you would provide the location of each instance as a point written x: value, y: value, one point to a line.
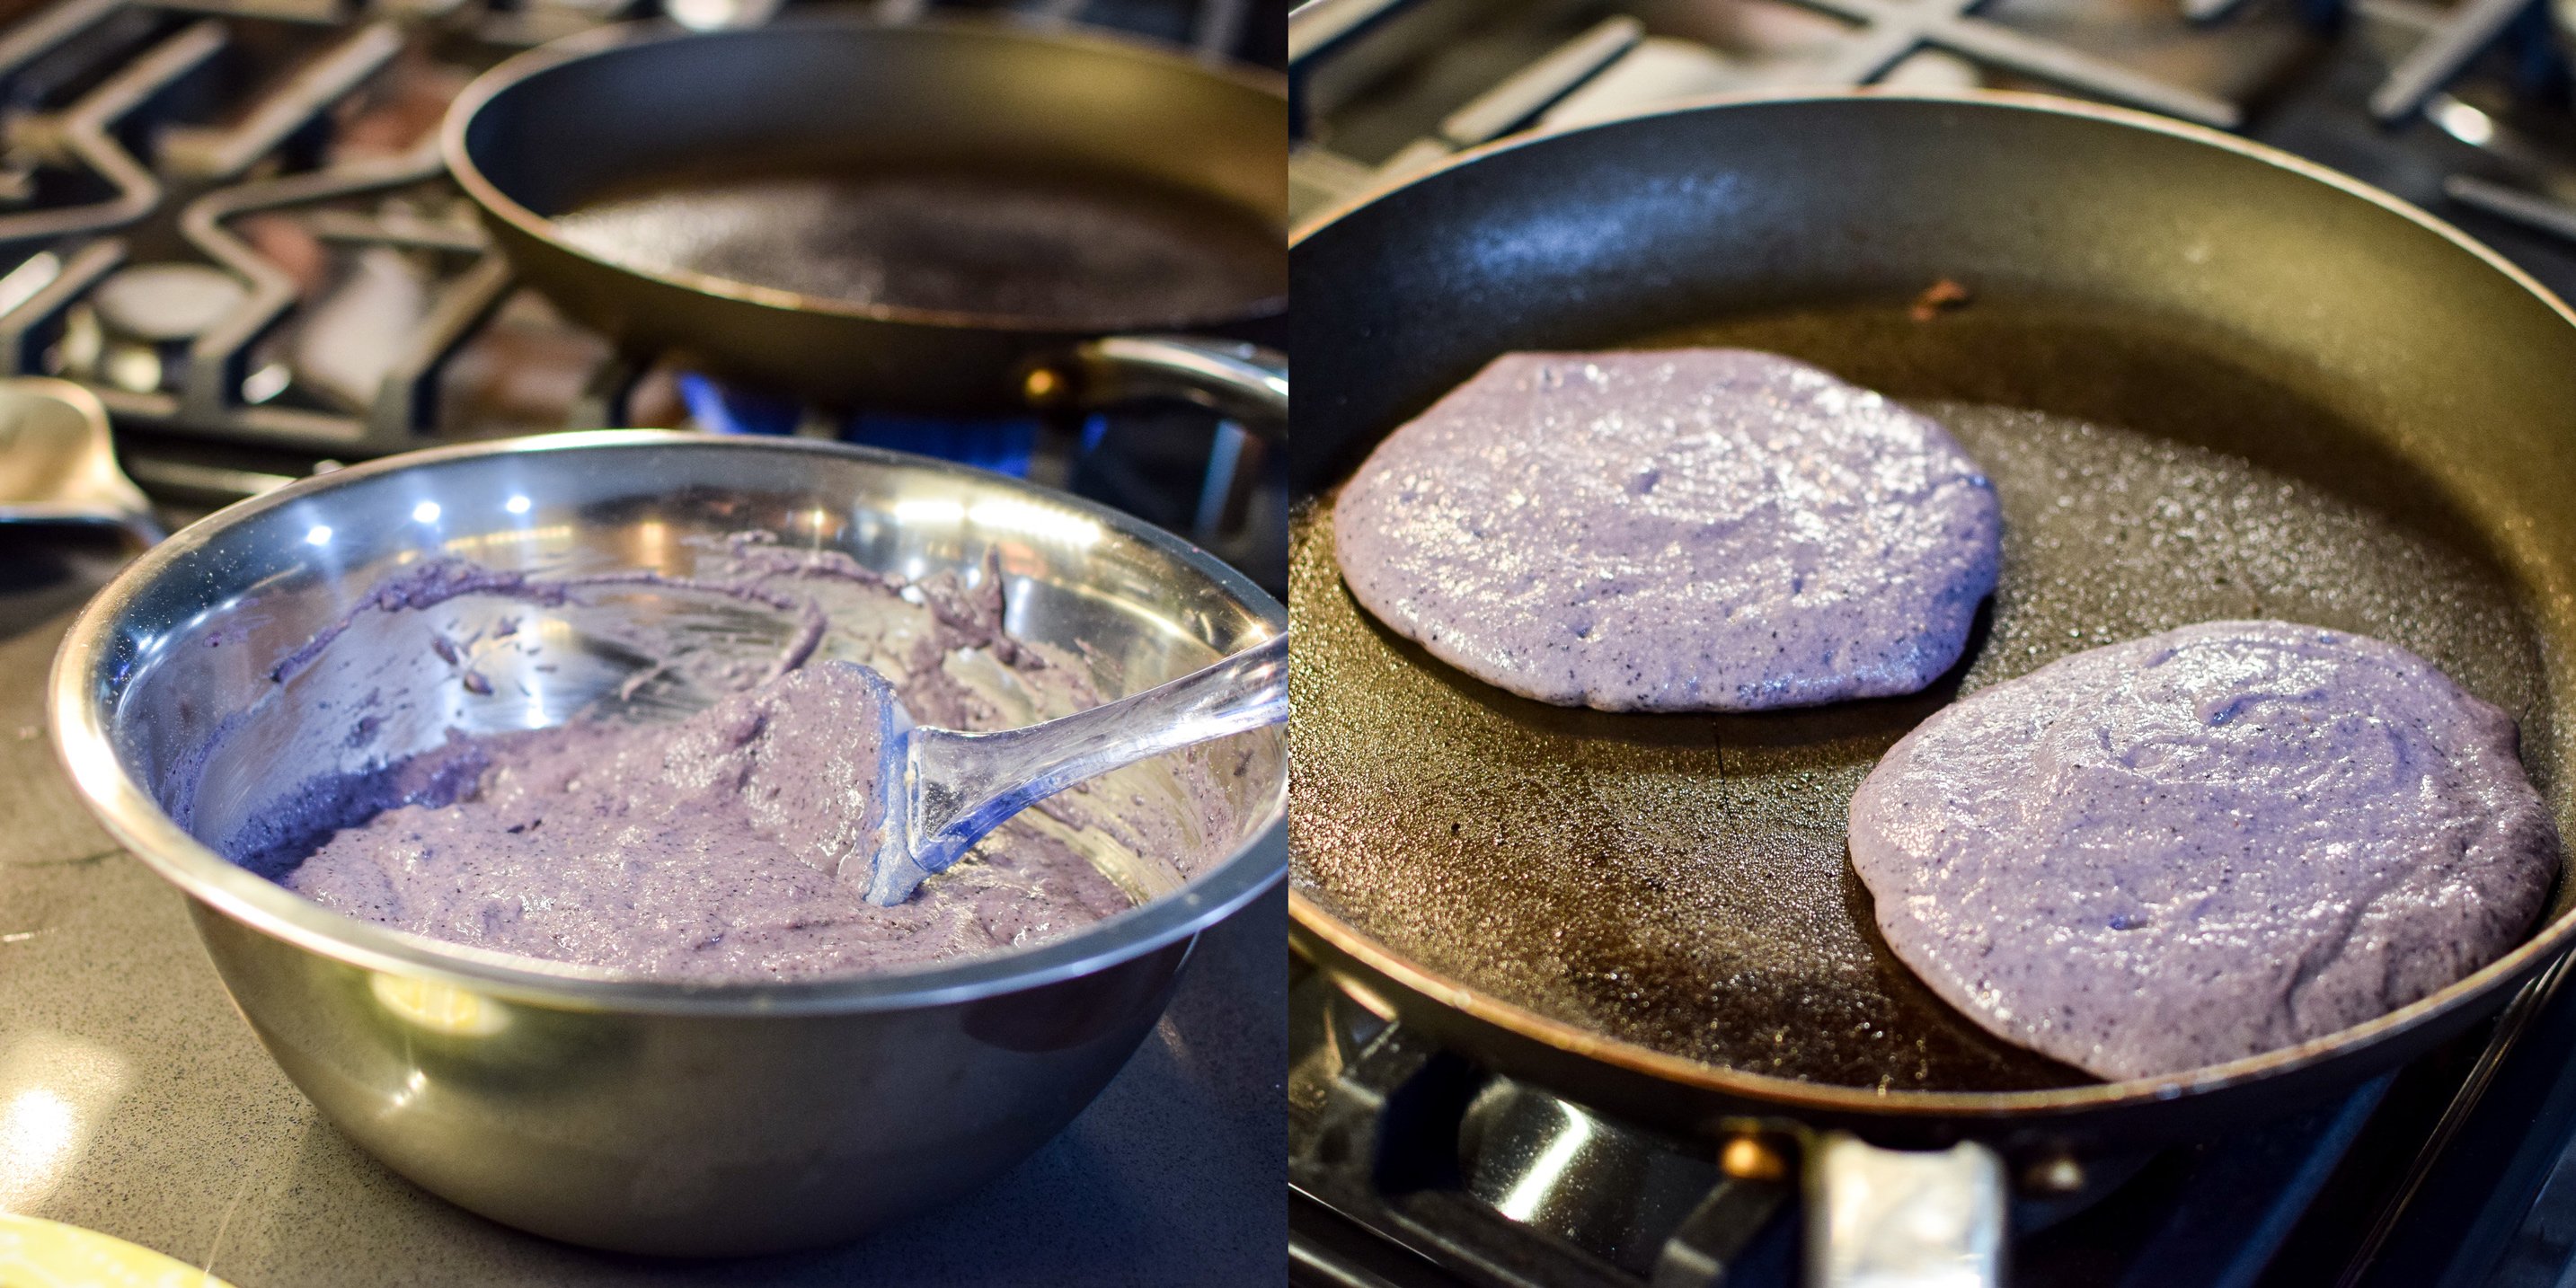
x: 1409, y: 1167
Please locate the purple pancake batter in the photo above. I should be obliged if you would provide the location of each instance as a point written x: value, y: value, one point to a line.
x: 1673, y: 530
x: 704, y: 847
x: 2202, y: 845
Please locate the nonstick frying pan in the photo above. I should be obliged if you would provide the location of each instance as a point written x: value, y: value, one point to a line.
x: 953, y: 216
x: 2210, y: 380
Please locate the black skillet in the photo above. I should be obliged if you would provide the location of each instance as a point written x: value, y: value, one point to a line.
x: 2322, y: 404
x: 948, y: 216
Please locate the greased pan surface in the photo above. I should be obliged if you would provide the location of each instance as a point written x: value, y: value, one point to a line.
x: 2208, y: 380
x: 780, y: 188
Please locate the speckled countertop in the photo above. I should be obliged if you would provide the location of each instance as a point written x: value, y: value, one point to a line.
x: 134, y: 1101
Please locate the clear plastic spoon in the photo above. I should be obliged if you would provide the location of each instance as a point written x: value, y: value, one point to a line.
x: 943, y: 789
x: 57, y: 464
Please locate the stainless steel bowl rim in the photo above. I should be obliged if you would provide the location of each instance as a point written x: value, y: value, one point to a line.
x: 79, y: 726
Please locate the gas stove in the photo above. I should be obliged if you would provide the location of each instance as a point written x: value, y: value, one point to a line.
x: 1411, y: 1165
x: 229, y: 219
x: 2451, y: 109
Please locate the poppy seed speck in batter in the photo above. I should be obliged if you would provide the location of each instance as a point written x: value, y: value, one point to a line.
x: 1673, y: 530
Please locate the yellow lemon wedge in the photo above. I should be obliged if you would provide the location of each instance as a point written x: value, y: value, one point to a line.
x: 36, y: 1253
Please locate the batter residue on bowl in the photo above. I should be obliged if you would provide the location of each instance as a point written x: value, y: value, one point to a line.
x: 702, y: 847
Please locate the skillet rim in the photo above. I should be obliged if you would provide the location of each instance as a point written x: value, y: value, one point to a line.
x: 598, y: 42
x: 2483, y: 989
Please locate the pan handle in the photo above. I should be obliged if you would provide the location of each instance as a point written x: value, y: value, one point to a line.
x: 1245, y: 382
x: 1895, y: 1218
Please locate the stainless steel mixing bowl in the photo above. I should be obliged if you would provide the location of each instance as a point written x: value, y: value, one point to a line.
x: 624, y: 1112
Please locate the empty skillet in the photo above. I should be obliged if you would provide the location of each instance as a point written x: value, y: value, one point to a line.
x: 2209, y: 380
x: 951, y: 217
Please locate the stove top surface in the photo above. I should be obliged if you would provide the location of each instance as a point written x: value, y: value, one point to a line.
x: 1463, y: 1177
x: 229, y: 219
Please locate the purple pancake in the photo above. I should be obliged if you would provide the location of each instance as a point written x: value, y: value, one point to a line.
x: 1673, y: 530
x: 2203, y: 845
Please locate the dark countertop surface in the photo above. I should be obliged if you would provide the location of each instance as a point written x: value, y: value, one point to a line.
x: 144, y: 1108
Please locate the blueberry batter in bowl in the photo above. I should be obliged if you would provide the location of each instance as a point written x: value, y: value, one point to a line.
x: 711, y: 1112
x: 710, y: 846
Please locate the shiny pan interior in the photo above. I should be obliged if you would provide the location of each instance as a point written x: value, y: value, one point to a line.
x: 2317, y: 403
x: 832, y: 96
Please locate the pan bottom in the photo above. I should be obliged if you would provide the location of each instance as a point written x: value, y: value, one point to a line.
x: 1038, y: 247
x: 1681, y: 882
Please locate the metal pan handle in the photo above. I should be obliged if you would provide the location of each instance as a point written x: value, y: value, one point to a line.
x: 1243, y: 382
x: 58, y: 462
x: 1890, y: 1218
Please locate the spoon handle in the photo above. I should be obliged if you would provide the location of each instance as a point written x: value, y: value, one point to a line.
x: 965, y: 784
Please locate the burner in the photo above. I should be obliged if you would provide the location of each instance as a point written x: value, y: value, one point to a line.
x: 1386, y: 87
x: 1366, y: 68
x: 167, y: 302
x: 1004, y: 446
x: 346, y: 302
x: 1483, y: 1180
x: 1164, y: 466
x: 2523, y: 45
x: 233, y: 225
